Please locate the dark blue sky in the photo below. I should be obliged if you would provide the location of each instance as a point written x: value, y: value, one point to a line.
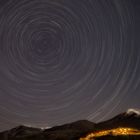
x: 65, y: 60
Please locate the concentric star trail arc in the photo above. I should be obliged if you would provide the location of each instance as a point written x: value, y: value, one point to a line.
x: 65, y: 60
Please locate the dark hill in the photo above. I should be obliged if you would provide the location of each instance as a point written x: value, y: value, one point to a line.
x: 71, y: 131
x: 122, y: 120
x: 74, y: 130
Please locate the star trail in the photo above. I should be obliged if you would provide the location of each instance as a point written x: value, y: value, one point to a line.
x: 65, y: 60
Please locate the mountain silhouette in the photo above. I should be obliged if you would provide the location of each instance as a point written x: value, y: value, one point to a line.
x: 125, y: 119
x: 75, y: 130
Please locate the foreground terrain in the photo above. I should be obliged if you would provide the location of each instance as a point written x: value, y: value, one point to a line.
x: 125, y: 126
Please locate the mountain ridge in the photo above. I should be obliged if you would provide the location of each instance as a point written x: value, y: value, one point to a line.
x: 71, y: 131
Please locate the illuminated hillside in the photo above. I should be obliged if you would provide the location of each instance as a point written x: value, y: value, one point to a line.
x: 114, y: 132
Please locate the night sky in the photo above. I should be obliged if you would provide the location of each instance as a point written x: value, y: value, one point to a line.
x: 66, y: 60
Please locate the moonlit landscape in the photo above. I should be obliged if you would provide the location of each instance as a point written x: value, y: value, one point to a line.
x: 69, y: 68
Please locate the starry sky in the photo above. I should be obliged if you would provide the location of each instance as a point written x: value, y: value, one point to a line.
x: 66, y: 60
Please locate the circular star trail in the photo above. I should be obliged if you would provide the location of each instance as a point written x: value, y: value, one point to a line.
x: 64, y: 60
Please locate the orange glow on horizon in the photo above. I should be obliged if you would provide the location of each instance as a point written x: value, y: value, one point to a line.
x: 114, y: 132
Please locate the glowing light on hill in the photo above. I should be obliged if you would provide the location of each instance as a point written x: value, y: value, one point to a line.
x: 114, y: 132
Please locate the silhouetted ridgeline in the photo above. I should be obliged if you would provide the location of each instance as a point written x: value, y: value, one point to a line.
x: 75, y: 130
